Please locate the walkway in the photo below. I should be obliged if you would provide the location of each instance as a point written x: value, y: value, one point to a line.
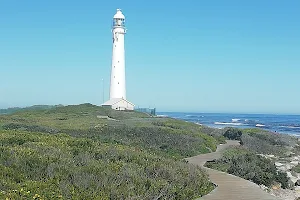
x: 229, y: 187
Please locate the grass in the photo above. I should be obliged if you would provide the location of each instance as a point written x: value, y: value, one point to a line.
x: 70, y: 153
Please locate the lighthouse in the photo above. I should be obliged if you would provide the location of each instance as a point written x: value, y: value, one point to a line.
x: 117, y: 93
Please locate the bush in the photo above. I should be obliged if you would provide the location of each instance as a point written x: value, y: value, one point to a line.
x: 71, y: 153
x: 245, y: 164
x: 296, y: 169
x: 53, y: 166
x: 32, y: 128
x: 233, y: 134
x: 173, y: 138
x: 262, y: 146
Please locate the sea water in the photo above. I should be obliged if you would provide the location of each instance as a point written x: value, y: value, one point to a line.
x: 289, y: 124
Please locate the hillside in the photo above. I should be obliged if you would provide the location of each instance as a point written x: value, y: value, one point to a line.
x: 17, y: 109
x: 88, y: 152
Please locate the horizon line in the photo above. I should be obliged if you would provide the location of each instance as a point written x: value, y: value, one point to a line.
x: 174, y: 111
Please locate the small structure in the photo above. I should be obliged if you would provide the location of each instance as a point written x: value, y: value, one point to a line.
x: 119, y: 104
x: 117, y: 96
x: 151, y: 111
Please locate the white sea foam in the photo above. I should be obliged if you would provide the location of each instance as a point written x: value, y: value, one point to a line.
x: 293, y: 127
x: 235, y: 120
x: 229, y: 123
x: 260, y: 125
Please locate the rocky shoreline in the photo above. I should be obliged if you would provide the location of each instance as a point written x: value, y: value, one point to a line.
x: 286, y: 164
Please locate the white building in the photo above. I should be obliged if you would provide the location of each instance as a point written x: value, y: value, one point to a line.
x: 119, y: 104
x: 117, y: 93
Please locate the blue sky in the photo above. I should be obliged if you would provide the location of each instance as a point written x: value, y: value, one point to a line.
x: 201, y: 56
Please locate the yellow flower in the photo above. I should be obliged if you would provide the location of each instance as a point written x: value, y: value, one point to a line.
x: 22, y: 190
x: 36, y: 196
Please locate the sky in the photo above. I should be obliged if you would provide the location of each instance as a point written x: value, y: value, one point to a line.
x: 189, y: 56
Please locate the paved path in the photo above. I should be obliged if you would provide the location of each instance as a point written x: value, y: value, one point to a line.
x: 229, y: 187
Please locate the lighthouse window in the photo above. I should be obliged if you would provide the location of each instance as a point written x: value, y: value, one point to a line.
x: 118, y: 83
x: 118, y: 61
x: 114, y: 66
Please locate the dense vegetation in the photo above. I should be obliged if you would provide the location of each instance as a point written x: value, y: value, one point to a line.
x: 54, y: 166
x: 246, y: 164
x: 261, y: 141
x: 172, y: 137
x: 246, y: 161
x: 73, y: 152
x: 17, y: 109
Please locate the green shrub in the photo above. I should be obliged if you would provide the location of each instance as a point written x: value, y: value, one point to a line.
x: 70, y: 152
x: 53, y: 166
x: 173, y: 138
x: 296, y: 169
x: 245, y: 164
x: 233, y: 134
x: 262, y: 146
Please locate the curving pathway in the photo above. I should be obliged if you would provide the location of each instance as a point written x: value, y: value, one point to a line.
x: 229, y: 187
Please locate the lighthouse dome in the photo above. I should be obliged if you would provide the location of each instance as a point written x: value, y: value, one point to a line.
x: 119, y: 15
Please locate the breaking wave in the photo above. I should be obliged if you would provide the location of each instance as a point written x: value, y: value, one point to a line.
x: 293, y: 127
x: 260, y: 125
x: 229, y: 123
x: 289, y: 124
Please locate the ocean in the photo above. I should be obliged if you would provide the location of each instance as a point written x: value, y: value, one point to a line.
x: 287, y: 124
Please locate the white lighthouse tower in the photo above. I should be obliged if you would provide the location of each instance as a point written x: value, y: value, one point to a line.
x: 117, y: 79
x: 117, y: 92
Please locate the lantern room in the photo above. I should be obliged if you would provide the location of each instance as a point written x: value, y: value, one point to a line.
x: 119, y: 19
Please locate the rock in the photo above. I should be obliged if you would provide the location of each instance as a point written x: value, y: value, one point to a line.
x: 297, y: 189
x: 263, y: 187
x: 291, y: 185
x: 291, y: 177
x: 296, y: 158
x: 278, y: 164
x: 276, y: 187
x: 297, y: 182
x: 295, y: 162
